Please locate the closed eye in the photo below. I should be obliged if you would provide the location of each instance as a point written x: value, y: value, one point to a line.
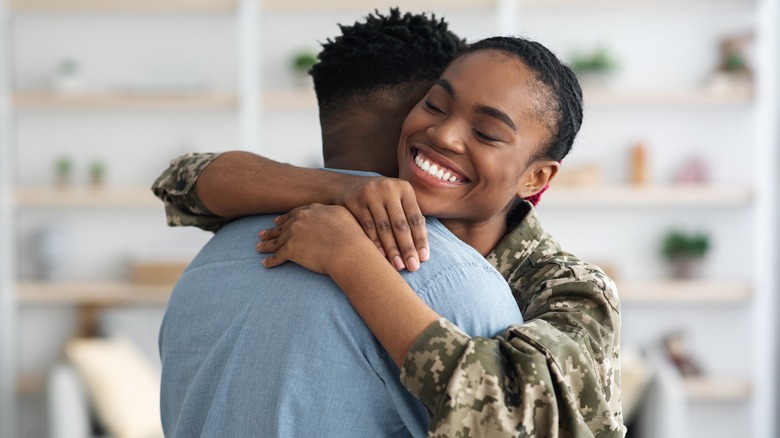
x: 483, y: 136
x: 433, y: 108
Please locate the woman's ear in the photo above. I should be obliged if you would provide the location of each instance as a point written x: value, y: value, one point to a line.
x: 536, y: 177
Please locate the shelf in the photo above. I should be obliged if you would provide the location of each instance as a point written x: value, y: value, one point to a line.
x: 30, y: 385
x: 678, y: 196
x: 44, y: 197
x: 291, y: 99
x: 206, y: 6
x: 192, y: 100
x: 678, y: 291
x: 604, y: 97
x: 638, y: 4
x: 94, y: 294
x: 370, y: 5
x: 709, y: 389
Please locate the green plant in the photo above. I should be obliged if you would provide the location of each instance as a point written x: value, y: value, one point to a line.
x: 303, y: 61
x: 600, y: 60
x: 678, y: 243
x: 97, y: 172
x: 63, y: 166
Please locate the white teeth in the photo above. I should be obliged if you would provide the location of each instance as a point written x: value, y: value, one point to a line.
x: 433, y: 169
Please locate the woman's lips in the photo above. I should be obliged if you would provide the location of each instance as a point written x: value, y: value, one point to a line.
x: 436, y: 169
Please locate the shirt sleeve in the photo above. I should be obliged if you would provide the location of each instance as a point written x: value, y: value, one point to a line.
x: 176, y: 188
x: 556, y: 375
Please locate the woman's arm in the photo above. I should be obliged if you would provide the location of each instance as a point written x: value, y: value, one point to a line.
x: 548, y: 377
x: 241, y: 183
x: 207, y: 190
x: 392, y: 310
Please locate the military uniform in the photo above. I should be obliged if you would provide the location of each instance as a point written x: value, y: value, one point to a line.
x: 556, y: 375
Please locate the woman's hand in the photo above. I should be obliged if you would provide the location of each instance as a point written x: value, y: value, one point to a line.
x: 315, y: 237
x: 387, y: 210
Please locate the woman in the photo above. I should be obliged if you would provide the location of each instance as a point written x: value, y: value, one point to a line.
x: 484, y: 132
x: 495, y: 124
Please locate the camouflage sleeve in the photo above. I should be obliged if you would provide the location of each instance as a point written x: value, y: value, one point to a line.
x: 547, y: 377
x: 176, y: 188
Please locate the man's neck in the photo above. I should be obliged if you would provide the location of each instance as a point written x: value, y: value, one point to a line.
x: 364, y: 137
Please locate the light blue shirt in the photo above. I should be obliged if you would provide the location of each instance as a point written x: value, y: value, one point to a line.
x: 254, y: 352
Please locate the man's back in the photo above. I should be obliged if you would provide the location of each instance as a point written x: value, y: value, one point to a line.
x: 249, y: 351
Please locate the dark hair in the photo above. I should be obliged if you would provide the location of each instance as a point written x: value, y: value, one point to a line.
x: 385, y: 50
x: 559, y: 97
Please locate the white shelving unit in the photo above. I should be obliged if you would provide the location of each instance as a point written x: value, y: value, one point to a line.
x: 251, y: 104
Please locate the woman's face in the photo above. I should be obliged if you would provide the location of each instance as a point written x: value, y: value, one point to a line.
x: 466, y: 146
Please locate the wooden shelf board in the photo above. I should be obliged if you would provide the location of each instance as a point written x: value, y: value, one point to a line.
x: 638, y: 4
x: 709, y: 389
x: 370, y: 5
x: 92, y: 293
x: 677, y: 195
x: 292, y: 99
x: 30, y: 384
x: 122, y: 5
x: 45, y: 197
x: 671, y: 291
x: 604, y: 97
x: 47, y: 100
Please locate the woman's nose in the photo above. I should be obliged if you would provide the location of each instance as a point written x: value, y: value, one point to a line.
x: 447, y: 136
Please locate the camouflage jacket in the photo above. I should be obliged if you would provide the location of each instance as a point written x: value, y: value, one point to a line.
x: 556, y: 375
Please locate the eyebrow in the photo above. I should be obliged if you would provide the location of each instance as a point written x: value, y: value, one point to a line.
x: 498, y: 114
x: 481, y: 109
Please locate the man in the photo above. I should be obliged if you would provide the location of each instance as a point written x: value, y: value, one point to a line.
x: 253, y: 352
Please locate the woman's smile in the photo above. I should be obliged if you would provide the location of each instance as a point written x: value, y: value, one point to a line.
x: 434, y: 168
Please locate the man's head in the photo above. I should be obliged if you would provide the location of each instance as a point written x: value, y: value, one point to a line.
x: 368, y: 78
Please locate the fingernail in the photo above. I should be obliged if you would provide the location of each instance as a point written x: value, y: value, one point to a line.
x: 261, y: 234
x: 398, y: 262
x: 382, y: 251
x: 424, y: 254
x: 413, y: 264
x: 276, y: 219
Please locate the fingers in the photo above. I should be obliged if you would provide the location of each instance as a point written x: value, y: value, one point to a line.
x: 416, y: 221
x: 394, y: 233
x: 368, y: 224
x: 274, y: 260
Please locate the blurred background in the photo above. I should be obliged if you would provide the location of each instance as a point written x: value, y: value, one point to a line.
x: 672, y: 186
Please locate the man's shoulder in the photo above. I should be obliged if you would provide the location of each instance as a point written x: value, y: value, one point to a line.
x: 448, y: 247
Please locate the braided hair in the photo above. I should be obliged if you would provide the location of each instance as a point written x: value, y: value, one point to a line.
x: 382, y: 52
x: 558, y: 96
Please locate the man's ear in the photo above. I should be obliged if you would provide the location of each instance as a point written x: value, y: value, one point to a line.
x: 536, y: 177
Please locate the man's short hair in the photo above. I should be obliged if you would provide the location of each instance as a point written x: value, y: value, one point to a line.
x: 382, y: 52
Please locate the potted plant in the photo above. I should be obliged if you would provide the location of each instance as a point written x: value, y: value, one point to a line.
x: 301, y: 63
x: 685, y: 252
x: 97, y: 173
x: 63, y: 168
x: 594, y: 68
